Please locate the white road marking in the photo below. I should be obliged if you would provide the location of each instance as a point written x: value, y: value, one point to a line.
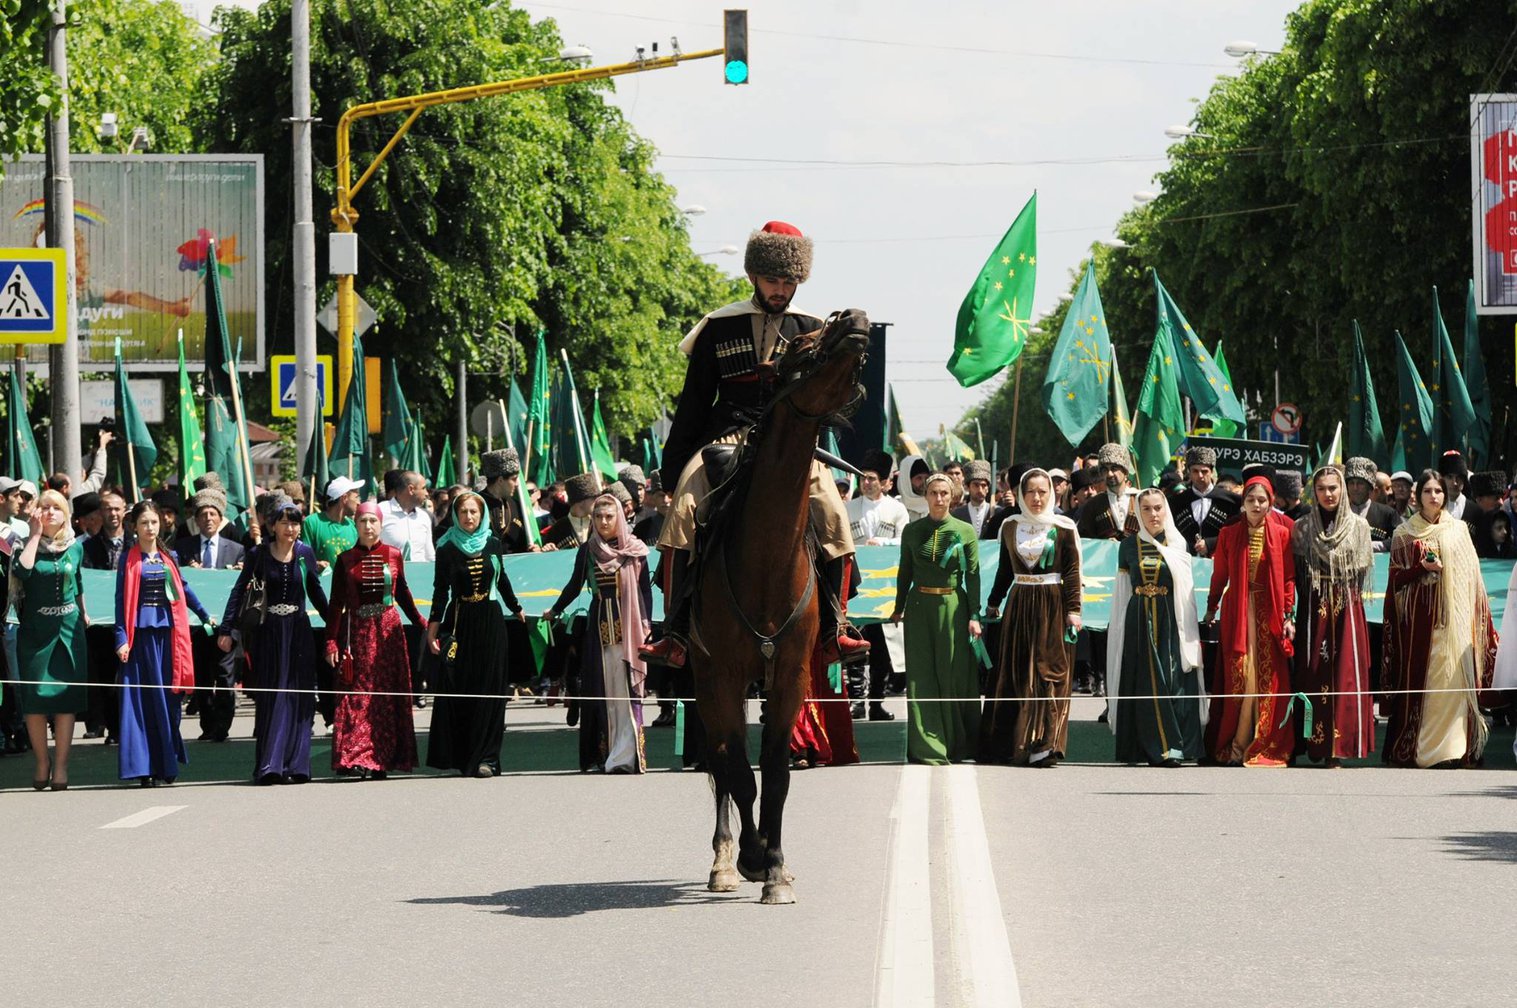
x: 905, y: 974
x: 979, y: 927
x: 144, y: 817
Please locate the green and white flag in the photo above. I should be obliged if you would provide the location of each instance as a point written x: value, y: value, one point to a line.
x: 996, y: 315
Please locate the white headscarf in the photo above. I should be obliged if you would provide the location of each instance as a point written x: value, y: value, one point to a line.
x: 916, y: 504
x: 1177, y: 559
x: 1046, y: 518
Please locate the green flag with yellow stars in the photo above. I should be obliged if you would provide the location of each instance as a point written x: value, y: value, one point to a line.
x: 1453, y: 414
x: 1159, y: 426
x: 1224, y: 428
x: 22, y: 460
x: 1121, y: 417
x: 996, y: 314
x: 1210, y: 392
x: 138, y: 450
x: 1074, y: 391
x: 1414, y: 417
x: 191, y: 437
x: 1364, y: 436
x: 954, y: 447
x: 1474, y: 376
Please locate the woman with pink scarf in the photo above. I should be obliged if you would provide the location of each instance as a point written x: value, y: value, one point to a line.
x: 614, y: 563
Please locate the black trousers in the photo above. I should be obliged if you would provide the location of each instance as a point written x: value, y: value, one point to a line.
x: 215, y: 677
x: 874, y: 682
x: 103, y: 710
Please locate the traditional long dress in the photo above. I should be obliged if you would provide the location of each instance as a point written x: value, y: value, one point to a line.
x: 373, y: 727
x: 1333, y: 664
x: 938, y: 589
x: 1255, y: 568
x: 50, y: 640
x: 282, y: 657
x: 610, y: 730
x: 1154, y: 654
x: 153, y: 600
x: 471, y: 595
x: 1438, y: 636
x: 1026, y: 719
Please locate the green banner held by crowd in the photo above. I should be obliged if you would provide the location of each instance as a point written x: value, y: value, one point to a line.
x: 1159, y: 426
x: 21, y: 457
x: 1453, y: 415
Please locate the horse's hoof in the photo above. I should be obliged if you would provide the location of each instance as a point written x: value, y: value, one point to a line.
x: 725, y: 880
x: 751, y: 874
x: 777, y: 894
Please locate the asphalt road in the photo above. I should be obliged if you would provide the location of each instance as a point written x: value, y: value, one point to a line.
x: 1082, y: 885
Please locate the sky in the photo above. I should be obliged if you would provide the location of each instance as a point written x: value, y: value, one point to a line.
x: 904, y: 137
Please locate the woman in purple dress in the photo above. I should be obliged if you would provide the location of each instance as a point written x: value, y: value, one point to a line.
x: 281, y: 648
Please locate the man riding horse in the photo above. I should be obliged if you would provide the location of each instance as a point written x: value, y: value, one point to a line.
x: 728, y: 382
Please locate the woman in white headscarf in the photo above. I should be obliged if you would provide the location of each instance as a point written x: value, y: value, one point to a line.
x: 912, y: 493
x: 1026, y: 720
x: 1153, y: 654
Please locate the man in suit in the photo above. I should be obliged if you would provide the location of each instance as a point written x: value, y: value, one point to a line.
x: 215, y: 673
x: 1199, y: 506
x: 1359, y: 476
x: 1111, y: 515
x: 103, y: 551
x: 979, y: 509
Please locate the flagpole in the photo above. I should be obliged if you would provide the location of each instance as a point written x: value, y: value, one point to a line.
x: 1016, y: 408
x: 241, y: 422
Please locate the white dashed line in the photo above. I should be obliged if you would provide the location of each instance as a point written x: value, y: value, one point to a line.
x: 144, y: 817
x: 905, y: 977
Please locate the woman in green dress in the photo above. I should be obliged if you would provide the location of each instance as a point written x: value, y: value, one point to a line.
x: 938, y: 595
x: 1154, y: 650
x: 48, y: 591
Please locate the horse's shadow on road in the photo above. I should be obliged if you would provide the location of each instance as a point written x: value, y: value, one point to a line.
x: 571, y: 899
x: 1486, y: 846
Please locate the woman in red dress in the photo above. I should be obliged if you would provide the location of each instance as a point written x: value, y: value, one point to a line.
x: 373, y: 732
x: 1254, y: 563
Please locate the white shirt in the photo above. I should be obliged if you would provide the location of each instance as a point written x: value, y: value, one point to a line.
x: 977, y: 514
x: 1200, y: 507
x: 1118, y: 504
x: 200, y: 545
x: 408, y: 531
x: 881, y: 520
x: 1455, y: 507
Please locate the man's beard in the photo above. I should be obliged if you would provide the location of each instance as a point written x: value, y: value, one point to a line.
x: 768, y: 303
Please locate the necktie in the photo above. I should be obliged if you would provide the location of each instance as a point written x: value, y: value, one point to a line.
x: 208, y: 555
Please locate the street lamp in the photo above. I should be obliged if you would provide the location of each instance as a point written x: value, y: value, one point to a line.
x: 1144, y: 196
x: 1238, y: 50
x: 724, y: 250
x: 1182, y: 132
x: 577, y: 54
x: 693, y: 210
x: 1114, y: 243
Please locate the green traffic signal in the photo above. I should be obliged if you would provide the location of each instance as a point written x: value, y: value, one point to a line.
x: 735, y: 46
x: 737, y: 72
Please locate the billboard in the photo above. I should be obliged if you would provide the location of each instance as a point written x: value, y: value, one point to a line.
x: 1493, y: 175
x: 142, y: 224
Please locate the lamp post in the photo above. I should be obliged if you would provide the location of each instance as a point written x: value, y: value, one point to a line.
x: 1185, y: 132
x: 724, y: 250
x: 1238, y: 50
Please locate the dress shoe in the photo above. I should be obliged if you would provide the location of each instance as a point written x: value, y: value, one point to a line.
x: 378, y: 775
x: 421, y: 703
x: 665, y: 719
x: 94, y: 733
x: 877, y: 712
x: 856, y: 711
x: 484, y: 770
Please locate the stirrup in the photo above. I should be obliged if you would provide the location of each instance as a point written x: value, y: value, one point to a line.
x: 670, y: 651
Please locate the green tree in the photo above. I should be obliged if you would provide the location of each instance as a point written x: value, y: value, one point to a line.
x: 27, y: 88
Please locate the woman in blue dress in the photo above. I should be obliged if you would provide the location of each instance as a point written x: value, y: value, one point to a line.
x: 153, y: 604
x: 281, y: 649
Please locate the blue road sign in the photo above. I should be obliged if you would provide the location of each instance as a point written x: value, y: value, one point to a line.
x: 282, y: 396
x: 33, y: 304
x: 1268, y: 432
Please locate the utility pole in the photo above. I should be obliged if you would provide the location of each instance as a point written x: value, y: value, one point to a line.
x: 63, y: 358
x: 461, y: 451
x: 308, y: 407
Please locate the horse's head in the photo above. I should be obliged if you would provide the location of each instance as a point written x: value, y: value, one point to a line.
x: 818, y: 375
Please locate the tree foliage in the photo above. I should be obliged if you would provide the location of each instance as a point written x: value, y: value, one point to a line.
x: 27, y: 88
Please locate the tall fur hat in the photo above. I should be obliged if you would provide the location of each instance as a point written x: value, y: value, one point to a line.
x: 1114, y: 454
x: 655, y: 483
x: 208, y: 498
x: 1288, y: 484
x: 1452, y: 464
x: 210, y: 481
x: 500, y: 462
x: 582, y: 488
x: 1085, y: 476
x: 778, y: 249
x: 1487, y: 484
x: 632, y: 474
x: 1201, y: 456
x: 1361, y: 468
x: 878, y: 462
x: 977, y: 469
x: 618, y: 490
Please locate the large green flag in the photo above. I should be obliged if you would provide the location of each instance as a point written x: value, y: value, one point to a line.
x: 517, y: 415
x: 955, y: 448
x: 1415, y: 415
x: 350, y: 447
x: 600, y: 443
x: 1479, y: 435
x: 893, y: 425
x: 1159, y: 426
x: 571, y: 439
x: 1075, y: 389
x: 1121, y: 416
x: 1364, y: 436
x: 1224, y: 428
x: 446, y: 474
x: 1210, y: 392
x: 1453, y: 413
x: 137, y: 447
x: 396, y: 426
x: 191, y: 437
x: 534, y: 536
x: 996, y: 314
x: 314, y: 468
x: 224, y: 431
x: 539, y: 447
x: 22, y: 460
x: 415, y: 456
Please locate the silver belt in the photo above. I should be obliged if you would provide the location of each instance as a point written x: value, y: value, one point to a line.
x: 57, y: 610
x: 370, y: 610
x: 283, y: 609
x: 1039, y: 579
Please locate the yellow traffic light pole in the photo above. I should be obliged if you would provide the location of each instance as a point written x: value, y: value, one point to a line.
x: 344, y: 217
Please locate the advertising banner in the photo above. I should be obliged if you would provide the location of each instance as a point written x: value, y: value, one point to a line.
x: 1493, y: 176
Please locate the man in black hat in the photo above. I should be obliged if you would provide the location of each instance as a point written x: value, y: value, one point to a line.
x: 1201, y: 509
x: 1084, y: 485
x: 1455, y: 473
x: 728, y: 384
x: 502, y: 470
x: 1111, y: 515
x: 1359, y: 477
x: 573, y: 529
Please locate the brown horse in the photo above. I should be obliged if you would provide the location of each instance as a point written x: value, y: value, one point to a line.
x: 755, y: 611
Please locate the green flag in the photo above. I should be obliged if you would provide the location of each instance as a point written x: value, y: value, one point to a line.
x: 1415, y: 415
x: 517, y: 415
x: 1224, y: 428
x: 1364, y: 436
x: 136, y: 443
x: 1120, y: 415
x: 314, y: 468
x: 446, y: 476
x: 223, y: 430
x: 1453, y: 413
x: 570, y: 439
x: 893, y: 425
x: 829, y: 442
x: 350, y: 447
x: 534, y: 536
x: 1075, y: 390
x: 994, y: 318
x: 1210, y: 392
x: 21, y: 458
x: 650, y: 460
x: 191, y: 437
x: 415, y: 456
x: 1479, y: 435
x: 955, y: 448
x: 539, y: 449
x: 600, y: 442
x: 395, y: 429
x: 1159, y: 426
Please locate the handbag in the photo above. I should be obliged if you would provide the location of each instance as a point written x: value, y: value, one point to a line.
x: 255, y: 604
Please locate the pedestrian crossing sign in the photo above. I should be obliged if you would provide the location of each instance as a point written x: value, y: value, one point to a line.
x: 282, y: 371
x: 33, y: 296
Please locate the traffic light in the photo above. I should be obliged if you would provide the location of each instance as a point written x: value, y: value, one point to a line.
x: 735, y: 45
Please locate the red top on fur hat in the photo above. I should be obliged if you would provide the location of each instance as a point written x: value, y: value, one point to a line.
x: 780, y: 227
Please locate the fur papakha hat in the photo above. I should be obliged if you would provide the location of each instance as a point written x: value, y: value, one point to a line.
x: 1201, y: 456
x: 618, y: 490
x: 1085, y: 476
x: 210, y: 481
x: 977, y: 469
x: 1360, y: 468
x: 1114, y: 454
x: 500, y: 462
x: 1487, y: 484
x: 1288, y: 484
x: 878, y: 462
x: 1452, y: 464
x: 778, y: 249
x: 632, y: 474
x: 582, y: 488
x: 208, y: 498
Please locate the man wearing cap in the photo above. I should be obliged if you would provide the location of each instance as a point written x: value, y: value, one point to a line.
x: 978, y: 509
x: 1084, y: 485
x: 1401, y: 493
x: 1456, y: 474
x: 573, y: 529
x: 728, y: 383
x: 13, y: 528
x: 207, y: 548
x: 1110, y: 515
x: 1201, y: 509
x: 502, y: 471
x: 330, y: 532
x: 1484, y: 495
x: 1359, y: 475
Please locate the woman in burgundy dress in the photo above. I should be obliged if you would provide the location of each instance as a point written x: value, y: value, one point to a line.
x: 373, y: 732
